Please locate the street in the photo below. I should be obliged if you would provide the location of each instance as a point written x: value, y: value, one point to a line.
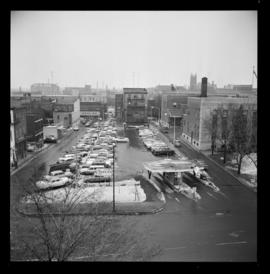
x: 219, y: 227
x: 40, y: 164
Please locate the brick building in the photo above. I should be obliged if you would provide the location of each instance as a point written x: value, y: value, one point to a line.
x: 93, y: 106
x: 135, y: 106
x: 200, y: 110
x: 66, y: 111
x: 119, y: 107
x: 18, y: 127
x: 173, y: 107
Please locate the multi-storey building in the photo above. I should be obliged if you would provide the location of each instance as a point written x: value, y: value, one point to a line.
x: 13, y: 158
x: 66, y: 111
x: 173, y: 107
x: 200, y: 110
x: 34, y: 127
x: 93, y: 106
x: 46, y: 89
x: 119, y: 107
x: 18, y: 126
x: 154, y: 106
x: 135, y: 103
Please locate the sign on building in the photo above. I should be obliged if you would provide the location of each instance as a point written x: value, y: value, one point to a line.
x: 90, y: 113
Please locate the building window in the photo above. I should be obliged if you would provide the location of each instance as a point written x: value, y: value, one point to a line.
x: 58, y: 117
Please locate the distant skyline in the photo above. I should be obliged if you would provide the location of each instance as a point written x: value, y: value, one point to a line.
x: 132, y: 48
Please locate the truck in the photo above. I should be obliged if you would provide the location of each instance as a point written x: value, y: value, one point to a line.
x: 50, y: 134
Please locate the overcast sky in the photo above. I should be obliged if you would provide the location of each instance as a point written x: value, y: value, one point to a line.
x: 128, y: 48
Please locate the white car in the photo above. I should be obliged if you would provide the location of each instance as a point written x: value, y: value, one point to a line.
x: 76, y: 129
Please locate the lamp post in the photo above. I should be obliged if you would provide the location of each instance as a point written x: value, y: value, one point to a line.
x: 165, y: 114
x: 174, y: 105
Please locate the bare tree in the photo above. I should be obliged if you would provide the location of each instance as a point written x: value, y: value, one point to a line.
x: 211, y: 127
x: 243, y: 138
x: 218, y: 129
x: 60, y: 228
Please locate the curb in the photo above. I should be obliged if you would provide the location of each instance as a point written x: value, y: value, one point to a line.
x: 220, y: 166
x: 36, y: 155
x: 30, y: 159
x: 123, y: 213
x: 223, y: 168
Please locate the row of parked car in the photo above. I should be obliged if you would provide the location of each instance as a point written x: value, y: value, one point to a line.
x: 154, y: 144
x: 90, y: 160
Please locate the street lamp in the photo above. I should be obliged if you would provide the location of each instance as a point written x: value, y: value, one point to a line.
x: 165, y: 114
x: 174, y: 105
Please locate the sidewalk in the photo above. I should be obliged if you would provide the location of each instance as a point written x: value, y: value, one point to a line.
x: 233, y: 172
x: 33, y: 155
x: 207, y: 154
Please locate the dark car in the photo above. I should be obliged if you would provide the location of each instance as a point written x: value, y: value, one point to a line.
x: 164, y: 130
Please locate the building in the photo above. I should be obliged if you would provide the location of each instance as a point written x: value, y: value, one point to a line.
x: 35, y: 104
x: 18, y: 126
x: 77, y: 91
x: 66, y: 111
x: 71, y: 91
x: 154, y: 106
x: 119, y: 107
x: 161, y: 89
x: 242, y: 87
x: 193, y: 82
x: 13, y: 158
x: 173, y: 107
x: 34, y: 127
x: 200, y: 109
x: 45, y: 89
x: 135, y: 103
x: 93, y: 106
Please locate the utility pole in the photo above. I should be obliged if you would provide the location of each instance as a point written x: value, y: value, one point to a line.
x: 113, y: 180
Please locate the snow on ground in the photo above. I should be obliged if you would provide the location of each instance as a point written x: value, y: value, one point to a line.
x: 125, y: 192
x: 248, y: 166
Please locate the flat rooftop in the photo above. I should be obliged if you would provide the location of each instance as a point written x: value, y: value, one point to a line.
x: 135, y: 90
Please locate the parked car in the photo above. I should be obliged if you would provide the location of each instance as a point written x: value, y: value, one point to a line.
x: 164, y: 129
x: 76, y: 129
x: 30, y: 147
x: 177, y: 143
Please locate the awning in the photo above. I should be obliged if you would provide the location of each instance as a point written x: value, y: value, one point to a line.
x: 169, y: 165
x: 172, y: 166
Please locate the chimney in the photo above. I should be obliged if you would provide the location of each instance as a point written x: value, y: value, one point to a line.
x: 204, y: 87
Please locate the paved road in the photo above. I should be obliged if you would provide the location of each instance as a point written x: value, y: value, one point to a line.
x: 41, y: 164
x: 219, y: 227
